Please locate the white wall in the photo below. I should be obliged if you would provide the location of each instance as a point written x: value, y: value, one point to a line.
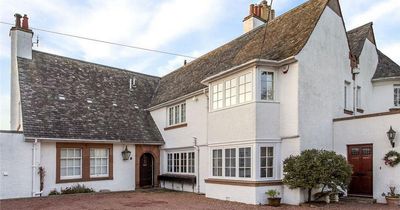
x: 368, y: 62
x: 16, y: 166
x: 382, y: 96
x: 182, y: 138
x: 324, y: 65
x: 372, y: 131
x: 123, y: 171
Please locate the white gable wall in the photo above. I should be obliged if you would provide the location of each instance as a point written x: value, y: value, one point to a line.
x: 368, y: 62
x: 323, y: 68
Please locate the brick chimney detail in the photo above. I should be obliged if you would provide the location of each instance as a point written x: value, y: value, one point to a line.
x: 25, y: 24
x: 17, y: 20
x: 258, y: 15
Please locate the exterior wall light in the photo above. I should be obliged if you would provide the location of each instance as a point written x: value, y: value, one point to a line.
x: 126, y: 154
x: 391, y: 135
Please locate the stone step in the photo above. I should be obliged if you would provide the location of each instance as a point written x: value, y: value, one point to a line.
x: 358, y: 199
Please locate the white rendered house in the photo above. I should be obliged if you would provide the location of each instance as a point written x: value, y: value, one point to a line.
x: 222, y: 124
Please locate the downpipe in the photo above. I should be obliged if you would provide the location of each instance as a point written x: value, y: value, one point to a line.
x: 34, y: 167
x: 198, y: 164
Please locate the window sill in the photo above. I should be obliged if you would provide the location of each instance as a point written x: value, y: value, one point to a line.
x: 83, y: 180
x: 360, y: 110
x: 348, y: 112
x: 176, y: 126
x: 243, y: 183
x: 394, y: 109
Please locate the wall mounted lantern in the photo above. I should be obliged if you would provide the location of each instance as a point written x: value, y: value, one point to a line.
x: 126, y: 154
x: 391, y: 135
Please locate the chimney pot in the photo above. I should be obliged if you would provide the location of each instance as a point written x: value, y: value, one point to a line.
x: 17, y: 20
x: 25, y: 24
x: 251, y: 9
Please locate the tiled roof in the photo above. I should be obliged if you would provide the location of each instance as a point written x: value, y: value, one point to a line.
x: 357, y: 38
x: 386, y: 67
x: 56, y: 94
x: 285, y: 37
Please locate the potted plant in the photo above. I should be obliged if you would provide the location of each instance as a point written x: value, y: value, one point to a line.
x: 392, y: 199
x: 273, y: 199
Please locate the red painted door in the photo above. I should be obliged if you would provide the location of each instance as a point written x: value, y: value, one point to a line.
x: 360, y: 157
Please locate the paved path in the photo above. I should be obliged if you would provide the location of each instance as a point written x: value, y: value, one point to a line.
x: 155, y: 200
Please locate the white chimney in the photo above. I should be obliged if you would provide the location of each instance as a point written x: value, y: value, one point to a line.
x: 21, y: 46
x: 258, y: 15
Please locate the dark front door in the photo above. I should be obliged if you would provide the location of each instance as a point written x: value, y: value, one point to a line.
x: 146, y: 170
x: 360, y: 157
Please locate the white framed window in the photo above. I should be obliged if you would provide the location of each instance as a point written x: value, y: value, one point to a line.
x: 99, y: 162
x: 191, y: 162
x: 177, y: 114
x: 218, y: 96
x: 396, y: 95
x: 181, y: 162
x: 245, y: 88
x: 358, y: 99
x: 266, y: 162
x: 230, y: 162
x: 71, y: 163
x: 245, y: 162
x: 217, y: 162
x: 347, y: 95
x: 267, y: 85
x: 176, y: 162
x: 231, y: 92
x: 169, y: 162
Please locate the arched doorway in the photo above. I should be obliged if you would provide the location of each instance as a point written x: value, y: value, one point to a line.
x: 146, y: 170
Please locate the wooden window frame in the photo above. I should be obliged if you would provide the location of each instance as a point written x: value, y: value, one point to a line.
x: 85, y: 148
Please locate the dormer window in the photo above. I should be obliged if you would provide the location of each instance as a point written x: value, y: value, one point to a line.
x: 177, y: 114
x: 267, y: 86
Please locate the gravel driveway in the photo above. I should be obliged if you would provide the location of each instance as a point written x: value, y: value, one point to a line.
x: 154, y: 199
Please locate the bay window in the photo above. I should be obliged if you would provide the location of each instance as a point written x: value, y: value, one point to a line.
x: 217, y: 162
x: 230, y: 162
x: 217, y: 96
x: 230, y: 92
x: 245, y: 88
x: 267, y: 86
x: 266, y: 162
x: 169, y: 162
x: 245, y: 162
x: 177, y: 114
x: 181, y: 162
x: 397, y: 95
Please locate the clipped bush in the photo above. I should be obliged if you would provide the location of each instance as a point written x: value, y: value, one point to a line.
x: 77, y: 189
x: 317, y: 169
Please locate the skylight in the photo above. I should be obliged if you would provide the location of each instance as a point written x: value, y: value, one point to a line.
x: 61, y: 97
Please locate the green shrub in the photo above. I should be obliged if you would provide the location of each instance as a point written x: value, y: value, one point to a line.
x: 272, y: 193
x: 315, y: 169
x: 54, y: 192
x: 77, y: 189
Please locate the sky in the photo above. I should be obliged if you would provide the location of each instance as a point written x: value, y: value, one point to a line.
x: 189, y: 27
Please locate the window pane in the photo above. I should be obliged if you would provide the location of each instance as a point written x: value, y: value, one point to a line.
x: 99, y: 161
x: 245, y: 162
x: 183, y: 112
x: 70, y: 162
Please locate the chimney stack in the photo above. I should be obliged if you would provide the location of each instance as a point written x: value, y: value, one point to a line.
x: 258, y: 15
x: 21, y: 46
